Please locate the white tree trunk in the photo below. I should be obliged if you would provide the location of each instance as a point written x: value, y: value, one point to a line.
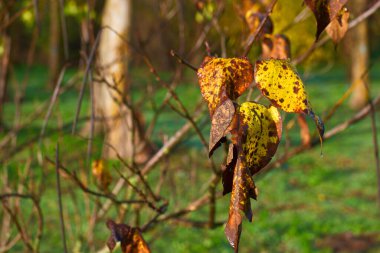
x: 123, y: 130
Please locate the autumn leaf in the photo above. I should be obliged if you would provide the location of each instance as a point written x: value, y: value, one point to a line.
x: 339, y: 26
x: 304, y: 130
x: 101, y: 174
x: 220, y: 122
x: 223, y: 78
x: 275, y: 47
x: 242, y: 190
x: 324, y: 11
x: 253, y: 20
x: 131, y: 240
x: 280, y: 83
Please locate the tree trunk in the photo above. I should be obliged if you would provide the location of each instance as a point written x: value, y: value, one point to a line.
x: 358, y: 40
x: 124, y: 132
x: 4, y: 61
x: 53, y: 42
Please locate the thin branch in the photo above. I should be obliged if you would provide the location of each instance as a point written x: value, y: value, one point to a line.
x: 60, y: 199
x: 252, y: 37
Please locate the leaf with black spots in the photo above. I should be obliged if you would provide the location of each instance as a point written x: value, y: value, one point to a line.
x: 339, y: 26
x: 259, y: 133
x: 223, y: 78
x: 324, y: 11
x: 279, y: 81
x: 131, y: 240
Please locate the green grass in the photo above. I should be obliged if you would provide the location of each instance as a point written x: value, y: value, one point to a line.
x: 306, y: 199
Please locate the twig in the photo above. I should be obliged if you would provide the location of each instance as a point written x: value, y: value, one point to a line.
x: 182, y: 61
x: 64, y: 30
x: 60, y: 199
x: 252, y: 37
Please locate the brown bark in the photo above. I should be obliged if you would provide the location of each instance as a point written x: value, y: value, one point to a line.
x: 54, y: 37
x: 5, y: 58
x: 358, y: 46
x: 123, y: 128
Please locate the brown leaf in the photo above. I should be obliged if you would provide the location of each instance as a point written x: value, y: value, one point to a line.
x: 276, y: 47
x: 339, y: 26
x: 228, y: 171
x: 220, y: 122
x: 130, y: 238
x: 223, y: 78
x: 304, y: 130
x: 243, y: 188
x: 324, y: 11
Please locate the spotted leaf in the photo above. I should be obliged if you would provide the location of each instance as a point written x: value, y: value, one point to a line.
x: 324, y: 11
x: 223, y: 78
x: 280, y: 83
x: 242, y: 190
x: 131, y: 240
x: 259, y: 134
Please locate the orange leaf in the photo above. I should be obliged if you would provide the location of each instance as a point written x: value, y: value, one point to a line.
x: 339, y: 26
x: 304, y: 130
x: 130, y: 238
x: 223, y: 78
x: 276, y: 47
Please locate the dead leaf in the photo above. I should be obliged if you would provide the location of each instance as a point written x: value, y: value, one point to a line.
x: 304, y: 130
x: 275, y: 47
x: 339, y: 26
x: 220, y: 122
x: 130, y: 238
x: 243, y: 188
x: 324, y: 11
x: 223, y: 78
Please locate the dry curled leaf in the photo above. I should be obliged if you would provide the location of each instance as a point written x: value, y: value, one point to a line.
x: 220, y: 122
x: 339, y: 26
x: 131, y: 240
x: 276, y: 47
x: 223, y: 78
x: 280, y: 83
x: 242, y: 190
x: 324, y: 11
x: 102, y: 175
x: 304, y: 130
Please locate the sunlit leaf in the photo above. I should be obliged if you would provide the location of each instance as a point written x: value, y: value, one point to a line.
x: 223, y: 78
x: 102, y: 174
x: 324, y: 11
x: 131, y: 240
x: 280, y: 83
x: 276, y: 47
x: 259, y: 134
x: 339, y: 26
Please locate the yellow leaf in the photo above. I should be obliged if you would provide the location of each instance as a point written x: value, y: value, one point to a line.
x: 259, y: 134
x: 101, y: 174
x: 280, y: 83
